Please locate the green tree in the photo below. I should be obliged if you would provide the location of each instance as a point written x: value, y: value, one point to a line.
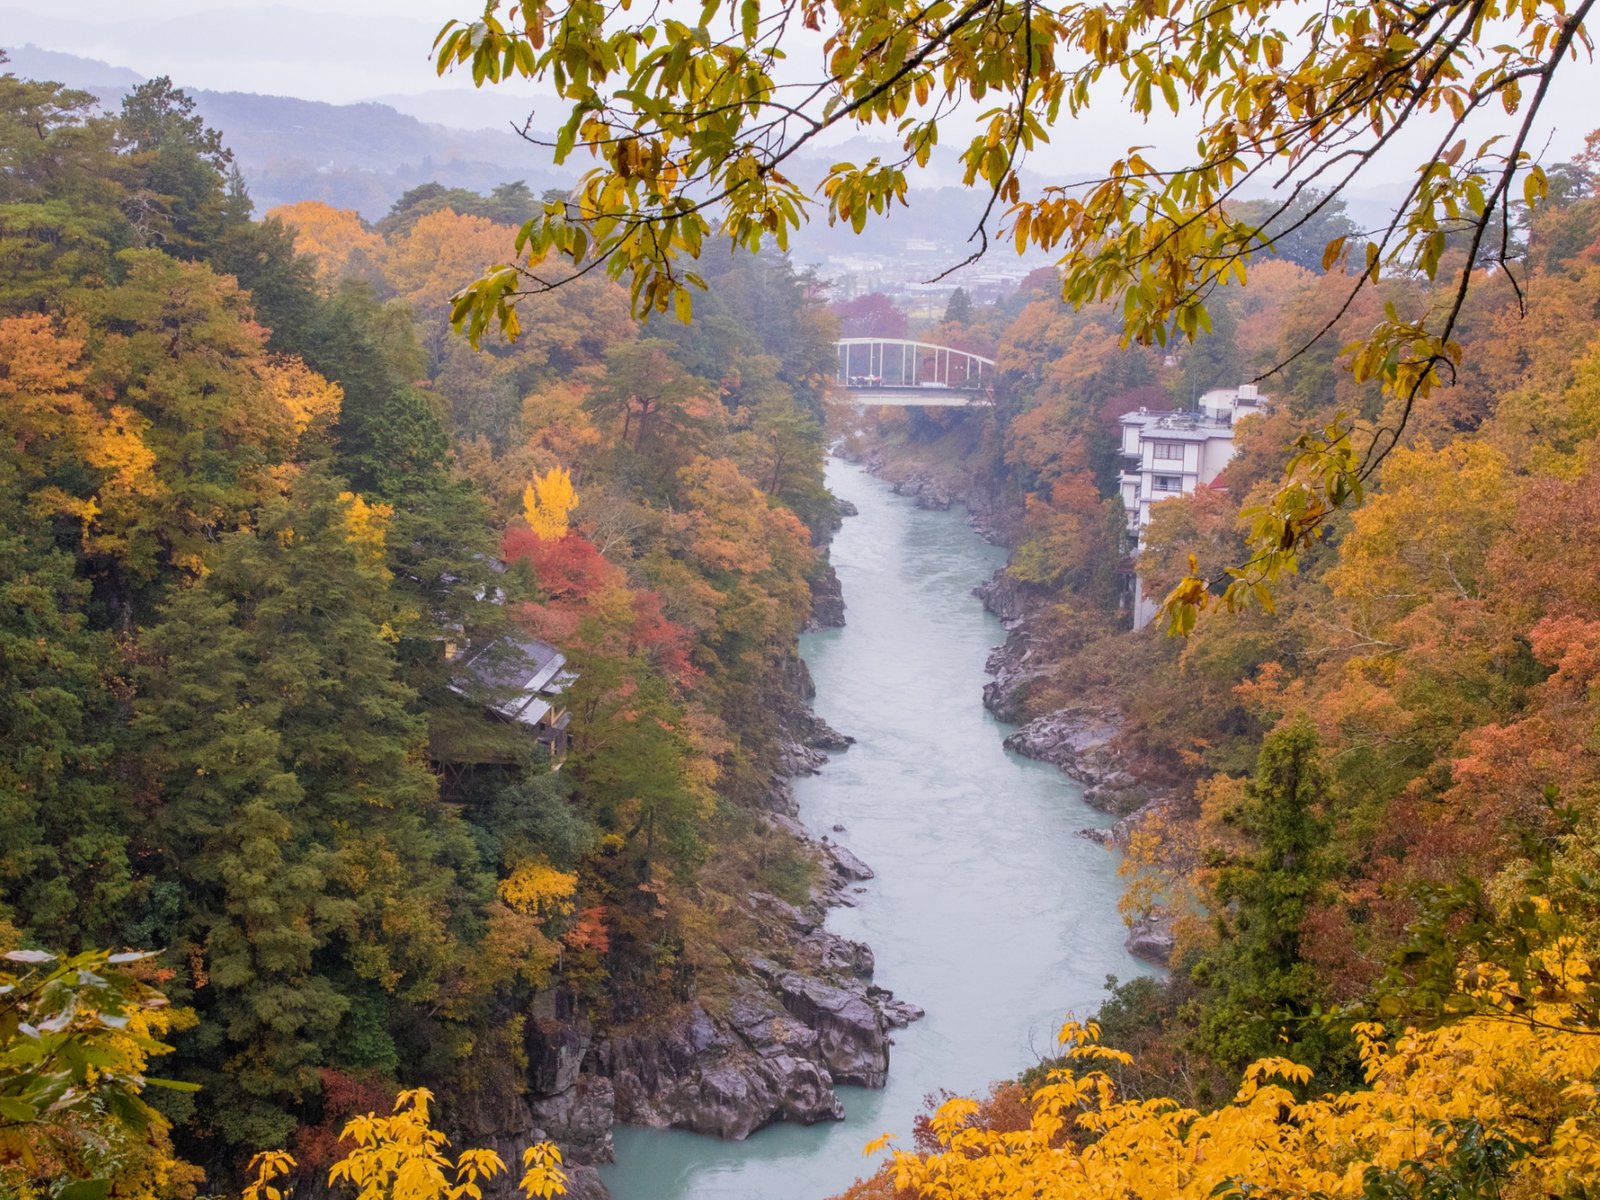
x: 176, y: 346
x: 176, y: 170
x: 64, y: 871
x: 317, y: 861
x: 1260, y: 991
x: 1298, y: 231
x: 1212, y: 360
x: 60, y: 194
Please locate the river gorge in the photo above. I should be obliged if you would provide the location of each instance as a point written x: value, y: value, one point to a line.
x: 987, y: 910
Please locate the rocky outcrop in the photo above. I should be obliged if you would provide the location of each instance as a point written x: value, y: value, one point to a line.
x: 898, y: 1013
x: 580, y: 1118
x: 808, y: 739
x: 816, y: 734
x: 775, y: 1048
x: 1016, y: 668
x: 827, y: 600
x: 583, y: 1183
x: 851, y: 1033
x: 1005, y: 597
x: 726, y: 1076
x: 844, y: 864
x: 1151, y: 939
x: 1083, y: 743
x: 924, y: 491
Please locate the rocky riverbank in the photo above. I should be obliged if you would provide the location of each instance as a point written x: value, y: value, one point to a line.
x: 1084, y: 741
x: 767, y: 1039
x: 939, y: 486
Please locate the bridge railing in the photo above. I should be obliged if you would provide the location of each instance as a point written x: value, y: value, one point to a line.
x: 894, y: 363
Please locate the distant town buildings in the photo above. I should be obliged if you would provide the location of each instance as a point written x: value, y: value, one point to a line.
x: 1168, y: 454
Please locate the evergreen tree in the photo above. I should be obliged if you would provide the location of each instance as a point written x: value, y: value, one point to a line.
x: 176, y: 170
x: 63, y: 830
x: 1261, y: 993
x: 317, y: 861
x: 1212, y: 360
x: 60, y: 219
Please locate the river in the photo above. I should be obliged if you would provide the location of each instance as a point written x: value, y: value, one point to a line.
x: 987, y: 909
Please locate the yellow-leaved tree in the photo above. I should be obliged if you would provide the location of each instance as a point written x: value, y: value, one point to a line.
x: 403, y: 1157
x: 1502, y: 1102
x: 537, y: 889
x: 548, y: 502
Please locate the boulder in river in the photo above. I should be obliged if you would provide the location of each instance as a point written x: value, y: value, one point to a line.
x: 845, y: 864
x: 924, y: 491
x: 1151, y: 939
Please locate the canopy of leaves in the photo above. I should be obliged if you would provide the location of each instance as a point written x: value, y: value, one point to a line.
x: 693, y: 123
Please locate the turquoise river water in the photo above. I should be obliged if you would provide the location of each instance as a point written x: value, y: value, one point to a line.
x: 987, y: 909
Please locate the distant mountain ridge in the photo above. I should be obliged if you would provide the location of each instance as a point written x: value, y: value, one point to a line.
x: 361, y: 156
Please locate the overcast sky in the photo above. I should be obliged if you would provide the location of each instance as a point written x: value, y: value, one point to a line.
x: 348, y: 50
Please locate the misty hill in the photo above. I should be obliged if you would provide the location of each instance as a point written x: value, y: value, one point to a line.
x: 35, y: 62
x: 360, y: 156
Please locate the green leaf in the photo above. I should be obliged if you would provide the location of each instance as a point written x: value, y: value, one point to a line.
x: 17, y: 1111
x: 172, y: 1085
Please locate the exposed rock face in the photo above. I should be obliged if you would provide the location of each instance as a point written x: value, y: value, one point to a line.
x: 850, y: 1030
x: 816, y: 734
x: 827, y: 600
x: 1004, y: 596
x: 924, y: 491
x: 583, y: 1183
x: 727, y: 1077
x: 899, y: 1013
x: 808, y: 737
x: 1016, y: 668
x: 580, y: 1118
x: 1151, y: 939
x: 1083, y: 744
x: 774, y: 1050
x: 845, y: 864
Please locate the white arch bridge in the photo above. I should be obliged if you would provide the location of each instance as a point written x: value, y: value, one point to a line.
x: 912, y: 374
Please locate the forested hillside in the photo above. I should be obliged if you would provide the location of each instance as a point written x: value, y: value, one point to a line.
x: 272, y: 546
x: 1374, y: 805
x: 383, y: 717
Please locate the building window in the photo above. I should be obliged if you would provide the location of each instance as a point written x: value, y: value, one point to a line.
x: 1167, y: 483
x: 1169, y: 451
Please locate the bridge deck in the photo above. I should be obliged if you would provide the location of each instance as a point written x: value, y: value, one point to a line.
x: 914, y: 397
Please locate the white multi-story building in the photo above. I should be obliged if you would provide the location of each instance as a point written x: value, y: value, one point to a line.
x: 1166, y: 454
